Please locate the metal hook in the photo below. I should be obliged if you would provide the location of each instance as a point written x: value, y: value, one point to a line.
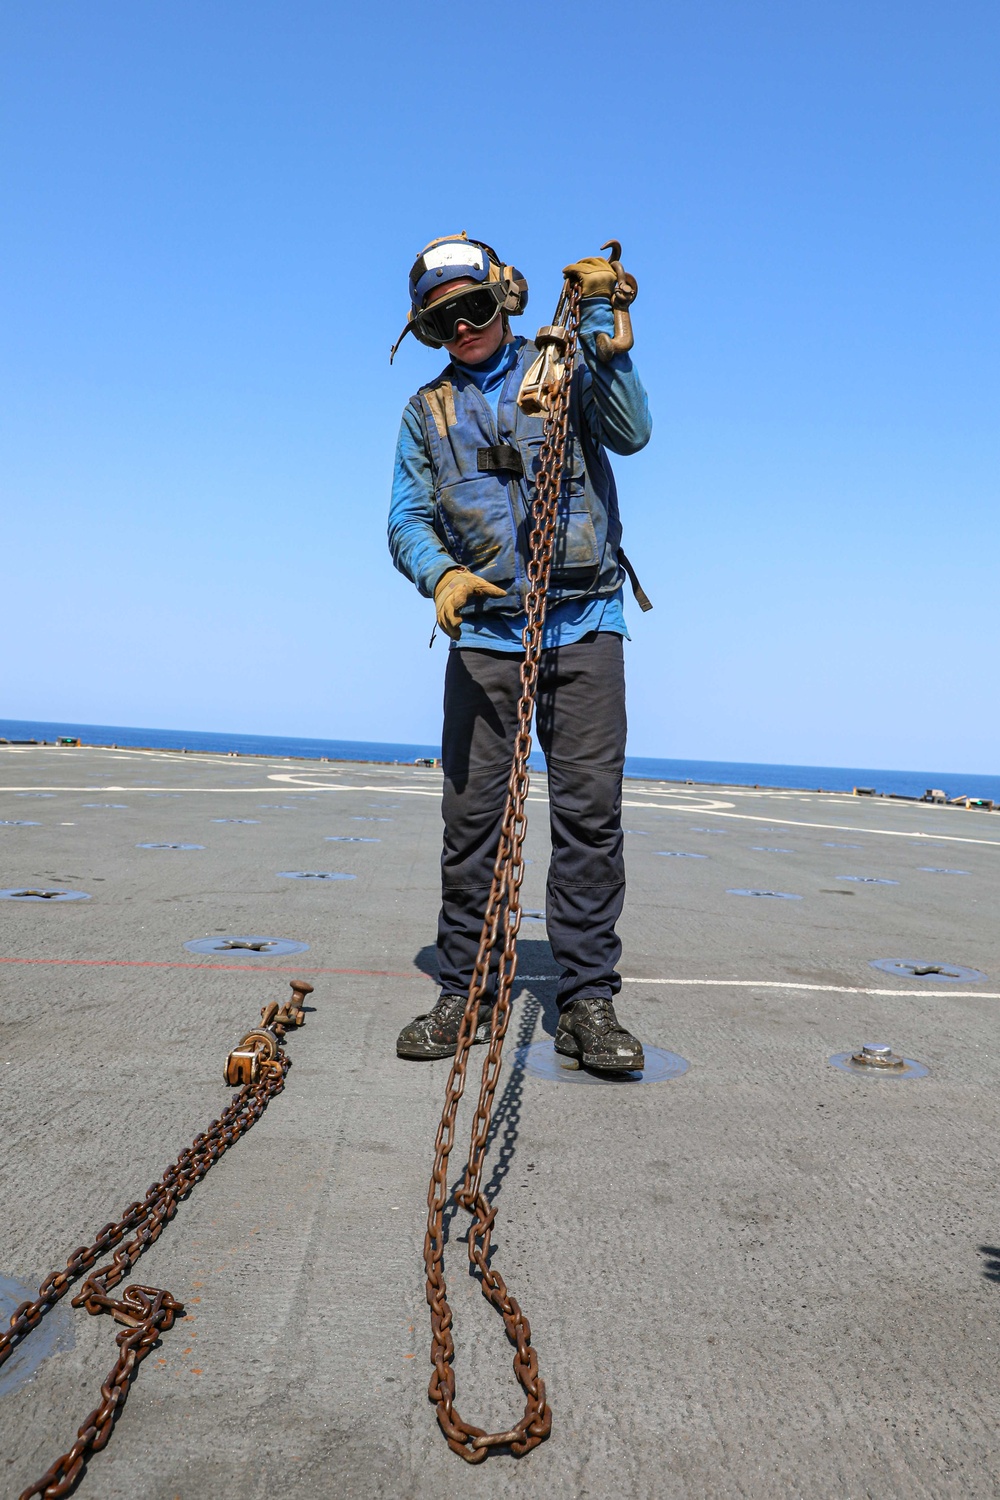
x: 621, y: 300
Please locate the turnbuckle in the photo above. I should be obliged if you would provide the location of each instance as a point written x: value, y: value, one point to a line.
x: 242, y: 1068
x: 544, y: 376
x: 259, y: 1051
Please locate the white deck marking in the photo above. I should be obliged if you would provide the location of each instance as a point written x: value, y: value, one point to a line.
x: 305, y: 781
x: 218, y: 791
x: 713, y: 810
x: 784, y: 984
x: 889, y: 833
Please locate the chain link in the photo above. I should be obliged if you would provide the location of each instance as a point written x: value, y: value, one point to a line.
x: 503, y: 907
x: 146, y: 1311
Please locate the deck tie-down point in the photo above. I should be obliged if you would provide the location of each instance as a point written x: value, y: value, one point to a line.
x: 266, y: 946
x: 541, y: 1060
x: 170, y: 846
x: 774, y: 895
x: 43, y: 895
x: 878, y: 1058
x: 920, y: 968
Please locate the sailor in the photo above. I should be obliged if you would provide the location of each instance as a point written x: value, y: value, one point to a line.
x: 459, y: 523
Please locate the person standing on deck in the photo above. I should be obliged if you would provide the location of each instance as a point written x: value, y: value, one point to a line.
x: 459, y: 523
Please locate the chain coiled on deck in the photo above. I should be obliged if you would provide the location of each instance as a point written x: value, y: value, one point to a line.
x: 503, y: 906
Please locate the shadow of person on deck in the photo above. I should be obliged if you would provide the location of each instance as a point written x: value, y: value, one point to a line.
x: 534, y: 962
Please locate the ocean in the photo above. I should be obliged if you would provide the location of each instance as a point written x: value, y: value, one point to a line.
x: 707, y: 772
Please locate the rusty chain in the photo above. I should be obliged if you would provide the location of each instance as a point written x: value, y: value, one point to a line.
x: 504, y: 904
x: 258, y: 1065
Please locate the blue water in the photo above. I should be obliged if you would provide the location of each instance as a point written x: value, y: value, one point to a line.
x: 712, y: 772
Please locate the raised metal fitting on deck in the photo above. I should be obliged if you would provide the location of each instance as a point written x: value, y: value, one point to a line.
x: 878, y: 1060
x: 876, y: 1055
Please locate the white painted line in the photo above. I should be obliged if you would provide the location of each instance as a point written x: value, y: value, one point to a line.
x: 231, y: 791
x: 295, y: 781
x: 832, y: 989
x: 219, y: 791
x: 782, y: 984
x: 889, y: 833
x: 713, y: 810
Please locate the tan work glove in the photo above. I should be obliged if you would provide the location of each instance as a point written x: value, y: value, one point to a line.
x: 453, y: 593
x: 595, y: 275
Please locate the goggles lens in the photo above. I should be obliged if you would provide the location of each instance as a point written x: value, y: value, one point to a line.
x: 476, y: 306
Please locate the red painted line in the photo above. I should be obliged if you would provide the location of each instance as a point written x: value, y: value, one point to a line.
x: 148, y: 963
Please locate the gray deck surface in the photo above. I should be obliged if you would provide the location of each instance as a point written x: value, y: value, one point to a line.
x: 765, y: 1278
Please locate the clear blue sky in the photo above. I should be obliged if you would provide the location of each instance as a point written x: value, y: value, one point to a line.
x: 210, y: 211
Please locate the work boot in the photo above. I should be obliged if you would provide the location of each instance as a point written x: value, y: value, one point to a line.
x: 590, y: 1031
x: 436, y: 1034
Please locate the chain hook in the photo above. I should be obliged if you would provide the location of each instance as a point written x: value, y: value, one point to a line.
x: 622, y: 298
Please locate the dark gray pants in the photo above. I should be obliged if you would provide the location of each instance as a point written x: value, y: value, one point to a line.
x: 580, y: 720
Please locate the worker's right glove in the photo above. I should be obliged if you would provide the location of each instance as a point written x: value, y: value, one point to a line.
x: 453, y: 593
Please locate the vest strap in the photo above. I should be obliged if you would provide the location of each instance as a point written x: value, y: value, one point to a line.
x: 641, y: 597
x: 501, y: 457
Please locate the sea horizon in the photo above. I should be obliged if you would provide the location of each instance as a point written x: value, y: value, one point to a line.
x: 898, y: 782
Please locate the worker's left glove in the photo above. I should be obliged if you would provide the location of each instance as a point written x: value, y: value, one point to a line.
x: 596, y: 276
x: 455, y: 589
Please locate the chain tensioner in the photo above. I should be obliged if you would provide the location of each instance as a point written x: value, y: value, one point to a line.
x: 258, y: 1067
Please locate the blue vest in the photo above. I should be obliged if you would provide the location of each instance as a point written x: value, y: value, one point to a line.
x: 484, y: 518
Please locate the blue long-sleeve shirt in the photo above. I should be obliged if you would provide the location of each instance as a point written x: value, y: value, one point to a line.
x: 614, y: 406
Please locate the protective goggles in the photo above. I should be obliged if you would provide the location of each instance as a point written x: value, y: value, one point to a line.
x: 477, y: 306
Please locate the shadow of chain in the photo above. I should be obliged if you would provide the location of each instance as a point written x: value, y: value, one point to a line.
x: 506, y: 1119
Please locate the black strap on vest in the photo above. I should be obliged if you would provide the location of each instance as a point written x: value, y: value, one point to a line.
x: 504, y: 458
x: 501, y: 458
x: 641, y: 597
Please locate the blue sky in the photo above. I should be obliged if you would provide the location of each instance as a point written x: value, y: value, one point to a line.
x: 210, y: 211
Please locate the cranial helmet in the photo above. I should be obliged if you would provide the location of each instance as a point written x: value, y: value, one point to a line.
x: 454, y: 257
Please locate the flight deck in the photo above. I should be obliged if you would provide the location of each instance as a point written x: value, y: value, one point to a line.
x: 764, y: 1269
